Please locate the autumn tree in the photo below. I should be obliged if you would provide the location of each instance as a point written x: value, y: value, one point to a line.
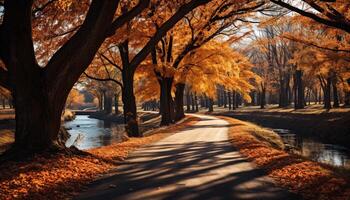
x: 333, y: 14
x: 105, y: 79
x: 325, y: 56
x: 261, y: 59
x: 40, y: 90
x: 272, y: 55
x: 198, y: 28
x: 226, y: 68
x: 315, y: 56
x: 209, y: 66
x: 74, y: 98
x: 127, y: 50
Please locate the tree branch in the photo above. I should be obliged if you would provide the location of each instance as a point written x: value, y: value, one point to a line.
x: 110, y: 61
x: 117, y: 23
x: 65, y: 33
x: 104, y: 79
x: 191, y: 45
x: 190, y: 26
x: 71, y: 60
x: 182, y: 11
x: 339, y: 24
x: 236, y: 12
x: 317, y: 46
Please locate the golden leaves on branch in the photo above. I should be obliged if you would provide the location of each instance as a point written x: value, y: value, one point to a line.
x: 216, y: 63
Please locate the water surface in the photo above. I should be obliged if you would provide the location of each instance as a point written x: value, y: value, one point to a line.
x: 87, y: 133
x: 312, y: 148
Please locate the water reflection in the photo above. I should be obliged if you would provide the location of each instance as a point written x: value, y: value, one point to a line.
x: 325, y: 153
x: 87, y: 133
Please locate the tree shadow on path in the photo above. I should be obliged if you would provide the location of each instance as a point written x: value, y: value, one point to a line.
x: 196, y: 170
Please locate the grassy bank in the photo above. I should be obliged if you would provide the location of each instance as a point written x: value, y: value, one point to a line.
x: 331, y: 126
x: 310, y: 179
x: 62, y: 176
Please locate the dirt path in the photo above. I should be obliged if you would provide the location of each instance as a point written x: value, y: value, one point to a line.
x: 197, y: 163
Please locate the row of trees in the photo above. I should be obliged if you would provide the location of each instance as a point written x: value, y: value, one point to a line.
x: 301, y: 61
x: 325, y: 47
x: 187, y: 51
x: 166, y: 46
x: 67, y: 35
x: 298, y: 60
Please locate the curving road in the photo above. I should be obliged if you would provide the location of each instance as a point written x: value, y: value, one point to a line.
x: 196, y: 163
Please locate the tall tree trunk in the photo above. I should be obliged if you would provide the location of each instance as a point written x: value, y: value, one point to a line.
x: 229, y: 100
x: 33, y: 121
x: 327, y: 93
x: 225, y: 98
x: 100, y: 100
x: 128, y: 96
x: 335, y: 91
x: 193, y: 102
x: 238, y: 100
x: 299, y: 89
x: 289, y: 92
x: 263, y: 96
x: 179, y: 102
x: 166, y: 101
x: 320, y: 96
x: 234, y: 100
x: 129, y: 104
x: 315, y: 92
x: 202, y: 101
x: 188, y: 101
x: 196, y: 102
x: 116, y: 104
x: 38, y: 106
x: 283, y: 98
x: 210, y: 106
x: 219, y: 99
x: 206, y: 102
x: 107, y: 105
x: 37, y: 113
x: 253, y: 96
x: 295, y: 89
x: 347, y: 94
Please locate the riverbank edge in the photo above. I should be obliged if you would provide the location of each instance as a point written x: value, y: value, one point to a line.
x: 62, y: 176
x: 310, y: 179
x: 112, y: 117
x: 327, y: 127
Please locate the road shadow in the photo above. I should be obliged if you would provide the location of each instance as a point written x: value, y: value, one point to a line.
x: 196, y: 170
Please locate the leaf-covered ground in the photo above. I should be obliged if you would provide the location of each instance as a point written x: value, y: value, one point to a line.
x: 61, y: 176
x: 310, y: 179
